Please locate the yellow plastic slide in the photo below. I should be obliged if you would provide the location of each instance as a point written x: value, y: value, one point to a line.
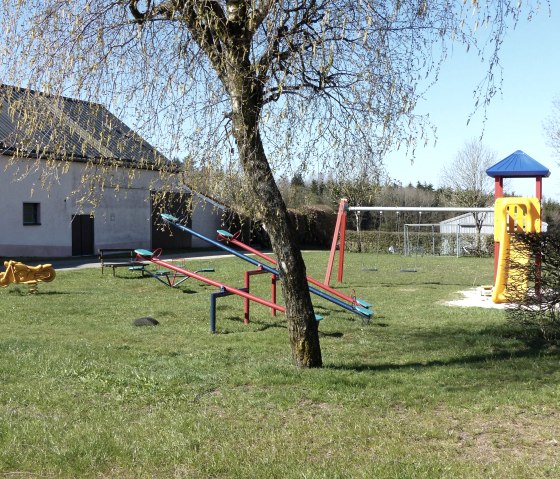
x: 513, y: 215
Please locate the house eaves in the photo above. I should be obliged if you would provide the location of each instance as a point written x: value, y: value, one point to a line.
x: 37, y: 125
x: 34, y: 125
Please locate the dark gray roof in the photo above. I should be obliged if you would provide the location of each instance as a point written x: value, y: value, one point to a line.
x: 35, y: 124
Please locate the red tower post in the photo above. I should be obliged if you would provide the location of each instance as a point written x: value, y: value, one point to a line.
x: 498, y: 193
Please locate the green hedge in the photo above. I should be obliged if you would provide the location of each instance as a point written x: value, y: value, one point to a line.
x: 314, y: 225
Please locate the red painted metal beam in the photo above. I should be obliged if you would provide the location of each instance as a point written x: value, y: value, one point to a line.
x: 217, y: 284
x: 312, y: 280
x: 340, y: 224
x: 248, y: 275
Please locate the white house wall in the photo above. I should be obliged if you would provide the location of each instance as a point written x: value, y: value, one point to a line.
x: 206, y: 220
x: 121, y: 219
x: 53, y: 235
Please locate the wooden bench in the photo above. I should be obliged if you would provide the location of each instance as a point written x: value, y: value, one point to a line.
x: 120, y: 258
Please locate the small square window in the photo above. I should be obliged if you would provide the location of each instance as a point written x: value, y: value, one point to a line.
x: 31, y: 214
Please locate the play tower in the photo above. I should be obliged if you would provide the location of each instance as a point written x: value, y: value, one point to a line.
x: 513, y: 215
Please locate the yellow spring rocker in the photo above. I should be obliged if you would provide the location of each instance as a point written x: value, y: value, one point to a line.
x: 19, y: 273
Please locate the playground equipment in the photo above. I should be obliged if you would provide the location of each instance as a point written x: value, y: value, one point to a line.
x: 371, y: 267
x: 146, y: 255
x: 513, y: 215
x: 229, y: 238
x: 339, y: 235
x: 360, y: 308
x: 17, y: 272
x: 172, y: 279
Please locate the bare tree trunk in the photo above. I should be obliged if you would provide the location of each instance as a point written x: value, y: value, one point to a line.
x: 302, y: 326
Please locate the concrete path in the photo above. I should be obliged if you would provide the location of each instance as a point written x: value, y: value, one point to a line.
x: 61, y: 264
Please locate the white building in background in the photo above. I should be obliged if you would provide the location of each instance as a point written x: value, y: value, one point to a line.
x: 466, y: 222
x: 459, y: 233
x: 40, y: 216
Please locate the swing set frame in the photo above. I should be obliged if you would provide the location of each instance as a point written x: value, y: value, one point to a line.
x: 339, y: 235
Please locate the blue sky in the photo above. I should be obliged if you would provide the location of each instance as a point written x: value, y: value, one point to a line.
x: 531, y: 80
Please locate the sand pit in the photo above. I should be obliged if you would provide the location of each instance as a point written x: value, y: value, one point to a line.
x: 475, y: 298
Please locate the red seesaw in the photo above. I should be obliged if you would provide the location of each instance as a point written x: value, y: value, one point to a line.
x: 145, y: 255
x: 232, y: 239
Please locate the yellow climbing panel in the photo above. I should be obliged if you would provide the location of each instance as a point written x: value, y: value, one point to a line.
x: 513, y: 215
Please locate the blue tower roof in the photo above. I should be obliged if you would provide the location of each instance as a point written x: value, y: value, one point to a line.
x: 518, y: 165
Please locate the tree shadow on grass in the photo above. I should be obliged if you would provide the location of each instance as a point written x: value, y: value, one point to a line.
x: 130, y: 277
x: 58, y: 293
x: 260, y: 325
x: 335, y: 334
x: 533, y: 338
x: 505, y: 355
x: 379, y: 324
x: 265, y: 325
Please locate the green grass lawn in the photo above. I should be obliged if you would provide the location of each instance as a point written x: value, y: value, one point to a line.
x: 423, y: 390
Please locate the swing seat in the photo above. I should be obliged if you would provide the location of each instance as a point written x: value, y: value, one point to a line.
x: 164, y: 272
x: 373, y: 268
x: 205, y: 270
